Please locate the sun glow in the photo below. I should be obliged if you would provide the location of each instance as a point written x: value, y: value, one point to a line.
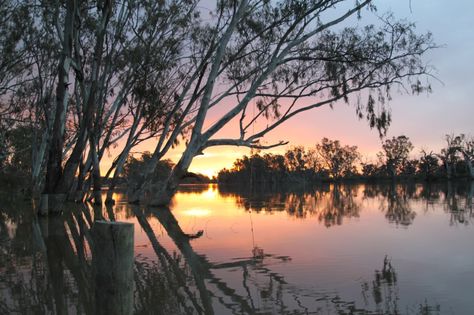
x: 208, y: 172
x: 211, y: 193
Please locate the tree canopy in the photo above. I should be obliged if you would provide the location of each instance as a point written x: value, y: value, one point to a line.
x: 93, y: 75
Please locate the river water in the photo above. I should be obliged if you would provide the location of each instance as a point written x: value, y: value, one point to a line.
x: 331, y: 249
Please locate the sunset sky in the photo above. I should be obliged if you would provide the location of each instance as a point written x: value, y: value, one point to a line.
x: 425, y: 119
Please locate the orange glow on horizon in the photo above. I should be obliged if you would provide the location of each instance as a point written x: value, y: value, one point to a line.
x: 339, y: 123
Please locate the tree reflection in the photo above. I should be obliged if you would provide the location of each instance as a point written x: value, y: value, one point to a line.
x: 383, y: 292
x: 330, y: 204
x: 458, y: 202
x: 267, y: 291
x: 47, y: 270
x: 341, y: 203
x: 45, y: 263
x: 396, y: 204
x: 202, y: 270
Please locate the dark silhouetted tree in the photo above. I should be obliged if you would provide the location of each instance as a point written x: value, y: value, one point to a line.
x: 336, y: 159
x: 395, y: 154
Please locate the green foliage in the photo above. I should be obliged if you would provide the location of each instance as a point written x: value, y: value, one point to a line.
x: 297, y: 164
x: 16, y: 22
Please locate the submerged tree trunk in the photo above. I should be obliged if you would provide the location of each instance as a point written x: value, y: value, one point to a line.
x: 470, y: 169
x: 166, y: 192
x: 37, y: 164
x: 114, y: 181
x: 77, y: 191
x: 122, y: 159
x: 60, y: 180
x: 55, y: 157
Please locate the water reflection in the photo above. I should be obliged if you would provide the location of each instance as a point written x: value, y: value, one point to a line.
x: 332, y: 203
x: 329, y: 203
x: 46, y: 263
x: 384, y: 293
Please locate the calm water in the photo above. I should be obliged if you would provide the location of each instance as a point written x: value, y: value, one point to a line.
x: 361, y: 249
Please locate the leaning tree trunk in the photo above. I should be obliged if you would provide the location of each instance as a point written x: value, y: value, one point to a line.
x: 90, y: 107
x: 96, y: 180
x: 166, y: 192
x: 121, y: 161
x: 118, y: 171
x: 55, y: 155
x: 77, y: 191
x: 37, y: 164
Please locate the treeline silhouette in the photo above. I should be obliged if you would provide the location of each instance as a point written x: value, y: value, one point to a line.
x: 329, y: 160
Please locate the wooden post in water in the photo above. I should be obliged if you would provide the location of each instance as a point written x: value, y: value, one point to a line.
x: 112, y: 260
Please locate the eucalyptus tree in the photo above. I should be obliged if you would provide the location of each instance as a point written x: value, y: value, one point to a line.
x: 295, y: 159
x: 337, y: 159
x: 109, y: 53
x: 152, y: 67
x: 15, y: 22
x: 28, y: 52
x: 451, y: 154
x: 394, y: 155
x: 467, y: 150
x: 273, y: 60
x: 429, y: 164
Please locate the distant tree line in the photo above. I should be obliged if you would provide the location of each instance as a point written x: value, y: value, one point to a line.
x: 329, y: 160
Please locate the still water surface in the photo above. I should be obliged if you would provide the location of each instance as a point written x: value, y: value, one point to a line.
x: 348, y: 249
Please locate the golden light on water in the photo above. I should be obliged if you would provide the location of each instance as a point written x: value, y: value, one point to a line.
x: 210, y: 193
x: 196, y: 212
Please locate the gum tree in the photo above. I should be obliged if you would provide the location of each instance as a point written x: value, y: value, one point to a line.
x: 451, y: 154
x: 271, y: 61
x: 395, y: 154
x: 117, y: 66
x: 337, y: 159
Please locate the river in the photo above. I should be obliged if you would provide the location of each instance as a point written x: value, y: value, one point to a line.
x: 331, y: 249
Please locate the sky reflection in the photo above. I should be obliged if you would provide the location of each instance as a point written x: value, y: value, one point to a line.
x: 333, y: 249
